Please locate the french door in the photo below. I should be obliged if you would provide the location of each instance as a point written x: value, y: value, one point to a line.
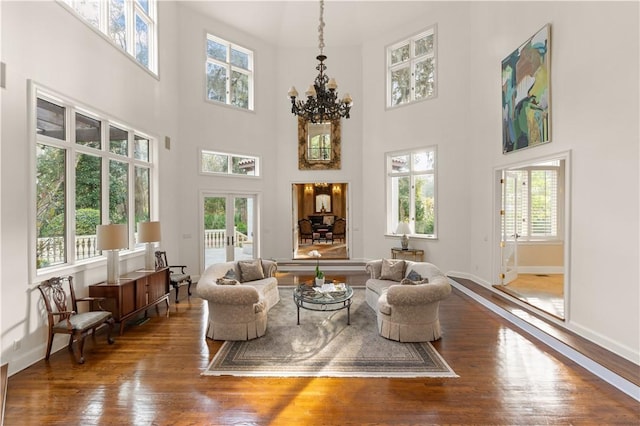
x: 229, y: 224
x: 510, y: 218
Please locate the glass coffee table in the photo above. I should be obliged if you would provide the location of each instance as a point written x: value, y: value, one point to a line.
x: 327, y: 298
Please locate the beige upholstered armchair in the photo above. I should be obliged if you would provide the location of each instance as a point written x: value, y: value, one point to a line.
x: 407, y: 312
x: 238, y: 304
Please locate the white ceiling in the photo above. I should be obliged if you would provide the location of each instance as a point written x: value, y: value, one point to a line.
x: 295, y: 23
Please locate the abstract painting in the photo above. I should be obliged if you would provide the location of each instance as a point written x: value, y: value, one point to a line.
x: 525, y: 94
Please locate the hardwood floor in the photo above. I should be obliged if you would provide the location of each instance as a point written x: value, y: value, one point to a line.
x: 151, y: 376
x: 545, y: 292
x: 336, y: 250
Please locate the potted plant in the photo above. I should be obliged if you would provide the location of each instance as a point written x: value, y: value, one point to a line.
x: 319, y: 278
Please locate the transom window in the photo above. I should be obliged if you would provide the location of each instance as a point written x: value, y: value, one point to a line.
x: 89, y: 170
x: 212, y: 162
x: 411, y: 69
x: 411, y: 191
x: 229, y: 73
x: 129, y: 24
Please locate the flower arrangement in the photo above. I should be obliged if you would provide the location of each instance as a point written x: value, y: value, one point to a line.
x: 317, y: 255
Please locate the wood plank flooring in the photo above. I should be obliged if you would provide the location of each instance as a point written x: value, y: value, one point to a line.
x: 545, y: 292
x: 151, y: 376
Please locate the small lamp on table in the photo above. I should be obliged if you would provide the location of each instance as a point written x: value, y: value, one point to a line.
x: 112, y: 238
x: 149, y: 233
x: 404, y: 229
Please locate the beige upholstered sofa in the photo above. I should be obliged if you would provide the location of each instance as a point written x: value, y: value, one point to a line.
x: 238, y: 311
x: 407, y: 312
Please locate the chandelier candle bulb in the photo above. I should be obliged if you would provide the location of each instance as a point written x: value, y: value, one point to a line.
x: 332, y: 84
x: 311, y: 92
x: 293, y: 93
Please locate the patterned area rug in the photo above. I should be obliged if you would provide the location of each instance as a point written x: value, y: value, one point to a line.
x: 323, y: 345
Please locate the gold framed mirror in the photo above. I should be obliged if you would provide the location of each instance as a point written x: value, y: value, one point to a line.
x: 318, y: 145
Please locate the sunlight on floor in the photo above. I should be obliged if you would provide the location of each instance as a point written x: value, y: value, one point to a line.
x: 544, y: 291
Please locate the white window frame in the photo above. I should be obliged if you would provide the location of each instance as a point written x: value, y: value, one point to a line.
x: 73, y: 107
x: 411, y: 63
x: 250, y: 72
x: 131, y: 9
x: 522, y: 222
x: 392, y: 202
x: 230, y: 157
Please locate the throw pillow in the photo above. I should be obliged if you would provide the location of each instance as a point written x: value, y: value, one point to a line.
x: 392, y: 269
x: 250, y: 270
x: 414, y: 276
x: 226, y: 281
x: 231, y: 274
x: 407, y: 281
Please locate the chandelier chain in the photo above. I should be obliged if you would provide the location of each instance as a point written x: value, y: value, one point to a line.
x: 321, y: 28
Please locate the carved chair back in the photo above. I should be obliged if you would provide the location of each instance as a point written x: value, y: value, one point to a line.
x: 306, y: 227
x: 56, y: 298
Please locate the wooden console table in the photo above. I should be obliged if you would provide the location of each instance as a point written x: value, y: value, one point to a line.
x: 398, y: 253
x: 134, y: 292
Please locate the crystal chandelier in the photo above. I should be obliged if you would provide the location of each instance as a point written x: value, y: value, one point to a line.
x: 322, y: 104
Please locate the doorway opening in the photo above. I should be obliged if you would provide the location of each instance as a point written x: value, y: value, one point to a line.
x: 320, y: 220
x: 229, y: 227
x: 533, y: 227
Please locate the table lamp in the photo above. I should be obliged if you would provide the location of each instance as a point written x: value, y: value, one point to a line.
x: 404, y: 229
x: 112, y: 238
x: 149, y: 233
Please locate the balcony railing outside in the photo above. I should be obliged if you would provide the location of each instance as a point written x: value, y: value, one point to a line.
x: 51, y: 250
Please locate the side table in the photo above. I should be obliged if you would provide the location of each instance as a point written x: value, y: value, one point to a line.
x: 416, y: 255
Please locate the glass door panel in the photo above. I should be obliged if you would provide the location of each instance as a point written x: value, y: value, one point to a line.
x: 215, y: 229
x: 229, y: 227
x: 509, y: 240
x: 243, y: 227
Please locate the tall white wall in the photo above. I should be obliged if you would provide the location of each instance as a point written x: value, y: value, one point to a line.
x: 594, y: 104
x: 297, y: 68
x: 440, y: 121
x: 269, y: 132
x: 594, y: 80
x: 213, y: 126
x: 45, y: 43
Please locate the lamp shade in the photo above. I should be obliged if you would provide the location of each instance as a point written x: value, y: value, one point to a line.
x: 112, y: 237
x: 403, y: 228
x: 148, y: 232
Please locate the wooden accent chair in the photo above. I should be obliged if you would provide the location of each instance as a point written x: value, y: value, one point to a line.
x: 305, y: 229
x: 70, y: 321
x: 339, y: 230
x: 177, y: 279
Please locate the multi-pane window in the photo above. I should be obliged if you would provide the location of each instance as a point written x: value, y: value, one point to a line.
x: 411, y: 69
x: 229, y: 73
x: 531, y: 202
x: 110, y: 170
x: 129, y: 24
x: 411, y: 191
x: 228, y: 164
